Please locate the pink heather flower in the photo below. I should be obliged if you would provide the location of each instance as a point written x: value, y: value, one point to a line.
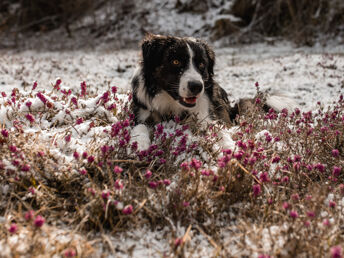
x: 83, y: 88
x: 114, y: 89
x: 84, y: 155
x: 104, y: 149
x: 256, y: 190
x: 153, y: 184
x: 293, y: 214
x: 28, y: 104
x: 268, y: 137
x: 297, y: 158
x: 264, y: 177
x: 4, y: 133
x: 42, y: 97
x: 39, y: 221
x: 320, y: 167
x: 12, y: 148
x: 307, y: 223
x: 326, y: 222
x: 205, y: 172
x: 332, y: 204
x: 196, y: 164
x: 167, y: 182
x: 276, y: 159
x: 105, y: 195
x: 69, y: 252
x: 184, y: 166
x: 15, y: 162
x: 34, y: 86
x: 238, y: 155
x: 341, y: 188
x: 3, y: 94
x: 119, y: 184
x: 32, y: 190
x: 118, y: 170
x: 50, y: 105
x: 79, y: 121
x: 13, y: 228
x: 148, y: 174
x: 67, y: 138
x: 336, y: 251
x: 128, y: 210
x: 74, y: 101
x: 29, y: 215
x: 134, y: 146
x: 83, y: 172
x: 178, y: 242
x: 310, y: 214
x: 76, y: 155
x: 105, y: 97
x: 90, y: 159
x: 296, y: 166
x: 186, y: 204
x: 309, y: 167
x: 25, y: 168
x: 295, y: 197
x: 30, y: 118
x: 335, y: 153
x: 162, y: 161
x: 336, y: 171
x: 91, y: 191
x: 285, y: 205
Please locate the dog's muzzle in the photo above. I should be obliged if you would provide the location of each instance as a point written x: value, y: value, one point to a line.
x: 194, y: 89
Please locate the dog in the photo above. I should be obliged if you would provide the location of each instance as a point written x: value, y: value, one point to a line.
x: 175, y: 77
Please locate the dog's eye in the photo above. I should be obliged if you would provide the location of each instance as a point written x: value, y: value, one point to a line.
x: 176, y: 62
x: 201, y: 66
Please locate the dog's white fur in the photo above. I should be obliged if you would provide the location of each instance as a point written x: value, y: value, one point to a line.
x: 189, y: 75
x: 279, y: 101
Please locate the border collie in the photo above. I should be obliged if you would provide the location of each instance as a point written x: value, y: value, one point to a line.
x: 176, y: 78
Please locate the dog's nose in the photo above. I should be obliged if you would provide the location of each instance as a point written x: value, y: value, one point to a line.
x: 195, y: 87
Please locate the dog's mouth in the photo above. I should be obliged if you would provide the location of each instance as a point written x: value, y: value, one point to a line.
x: 188, y: 102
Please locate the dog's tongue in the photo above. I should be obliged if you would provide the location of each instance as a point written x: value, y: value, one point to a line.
x: 191, y: 100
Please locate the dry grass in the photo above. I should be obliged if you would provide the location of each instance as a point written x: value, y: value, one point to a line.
x: 276, y: 193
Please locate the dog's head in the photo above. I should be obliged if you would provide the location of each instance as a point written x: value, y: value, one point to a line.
x: 183, y: 67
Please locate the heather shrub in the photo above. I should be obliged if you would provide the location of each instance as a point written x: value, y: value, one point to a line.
x: 70, y: 167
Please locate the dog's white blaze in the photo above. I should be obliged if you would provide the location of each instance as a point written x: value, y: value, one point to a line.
x: 190, y: 74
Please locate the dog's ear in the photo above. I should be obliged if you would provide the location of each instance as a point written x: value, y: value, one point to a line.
x: 211, y: 56
x: 151, y: 50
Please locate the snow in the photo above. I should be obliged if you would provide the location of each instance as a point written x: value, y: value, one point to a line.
x: 305, y: 74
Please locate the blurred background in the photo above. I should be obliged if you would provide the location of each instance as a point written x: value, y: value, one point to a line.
x: 76, y: 24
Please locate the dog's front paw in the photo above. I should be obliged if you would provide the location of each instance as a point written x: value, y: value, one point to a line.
x: 140, y: 134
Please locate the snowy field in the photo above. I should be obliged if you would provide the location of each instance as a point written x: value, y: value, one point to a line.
x: 308, y: 75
